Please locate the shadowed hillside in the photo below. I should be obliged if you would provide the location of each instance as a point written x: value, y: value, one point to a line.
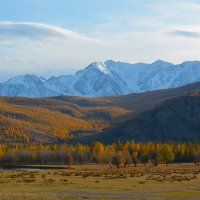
x: 177, y: 119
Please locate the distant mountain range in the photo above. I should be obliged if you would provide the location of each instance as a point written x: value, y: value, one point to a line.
x: 106, y: 79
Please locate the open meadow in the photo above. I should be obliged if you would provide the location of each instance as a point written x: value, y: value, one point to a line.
x: 175, y: 181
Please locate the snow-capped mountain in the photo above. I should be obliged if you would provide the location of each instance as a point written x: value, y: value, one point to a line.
x: 106, y: 79
x: 25, y: 85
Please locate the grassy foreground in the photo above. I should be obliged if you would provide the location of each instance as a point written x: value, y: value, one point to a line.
x: 177, y: 181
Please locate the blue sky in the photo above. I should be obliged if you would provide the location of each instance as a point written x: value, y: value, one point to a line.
x: 69, y: 13
x: 49, y: 37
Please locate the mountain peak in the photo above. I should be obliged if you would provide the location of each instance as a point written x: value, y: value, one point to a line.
x: 109, y: 62
x: 161, y: 62
x: 24, y: 79
x: 100, y: 66
x: 195, y: 62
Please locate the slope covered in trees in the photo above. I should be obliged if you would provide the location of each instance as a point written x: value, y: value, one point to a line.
x: 24, y: 120
x: 177, y: 119
x: 72, y: 119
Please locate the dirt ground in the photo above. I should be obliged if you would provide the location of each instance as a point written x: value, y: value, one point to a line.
x: 176, y: 181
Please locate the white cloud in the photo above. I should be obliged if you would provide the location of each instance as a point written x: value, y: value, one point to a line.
x: 43, y: 49
x: 39, y: 31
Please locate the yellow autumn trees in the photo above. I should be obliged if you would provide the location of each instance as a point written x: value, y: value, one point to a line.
x: 167, y: 154
x: 118, y: 154
x: 97, y: 148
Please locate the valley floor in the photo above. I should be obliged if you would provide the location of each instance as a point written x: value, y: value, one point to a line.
x: 177, y: 181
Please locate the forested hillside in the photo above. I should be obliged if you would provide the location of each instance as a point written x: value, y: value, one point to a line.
x: 44, y: 120
x: 72, y: 119
x: 176, y: 119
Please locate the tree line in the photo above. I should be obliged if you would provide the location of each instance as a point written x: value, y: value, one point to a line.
x: 117, y: 154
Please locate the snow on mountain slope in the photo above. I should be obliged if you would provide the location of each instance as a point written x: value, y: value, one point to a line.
x: 98, y: 80
x: 26, y: 86
x: 60, y: 84
x: 156, y: 76
x: 106, y: 79
x: 161, y: 75
x: 27, y: 81
x: 94, y: 80
x: 128, y: 73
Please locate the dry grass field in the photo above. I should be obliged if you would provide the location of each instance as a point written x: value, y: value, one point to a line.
x: 177, y: 181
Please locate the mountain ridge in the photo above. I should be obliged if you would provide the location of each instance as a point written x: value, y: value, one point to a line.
x: 107, y: 78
